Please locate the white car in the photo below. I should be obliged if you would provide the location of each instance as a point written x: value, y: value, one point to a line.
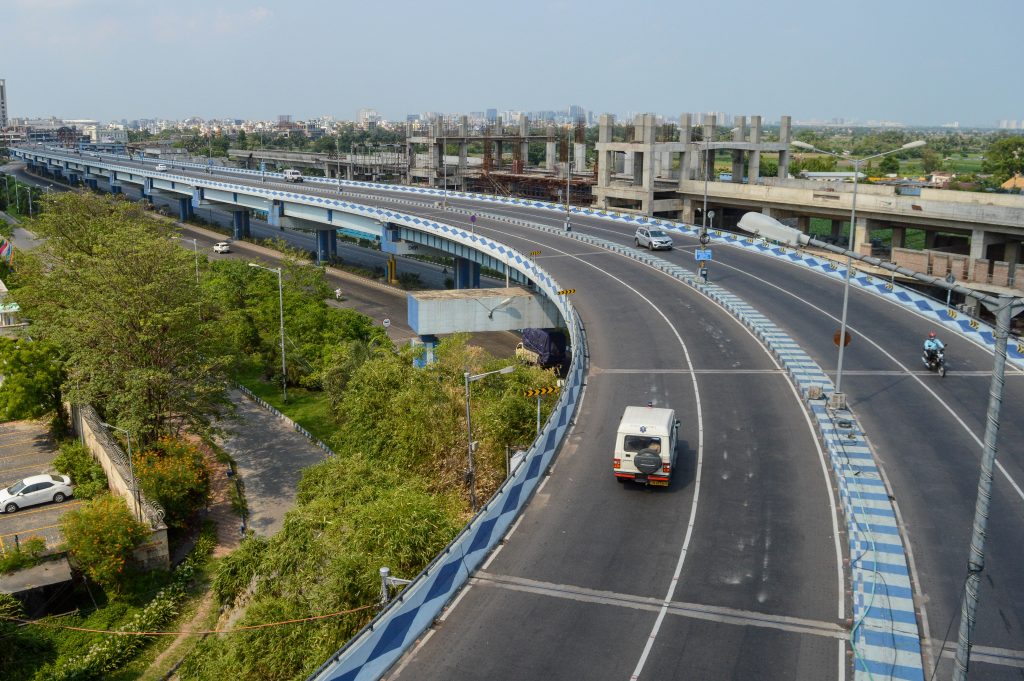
x: 162, y: 168
x: 652, y: 238
x: 292, y: 175
x: 222, y: 247
x: 37, y: 489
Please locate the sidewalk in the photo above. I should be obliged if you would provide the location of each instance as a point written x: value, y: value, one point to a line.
x: 270, y: 457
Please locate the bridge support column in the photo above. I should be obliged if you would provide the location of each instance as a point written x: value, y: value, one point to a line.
x: 837, y: 229
x: 333, y: 243
x: 323, y: 246
x: 754, y: 164
x: 467, y: 273
x: 429, y: 343
x: 688, y: 211
x: 863, y: 238
x: 1012, y: 252
x: 980, y: 241
x: 803, y: 223
x: 899, y: 237
x: 115, y: 189
x: 184, y: 209
x: 240, y: 223
x: 737, y: 154
x: 93, y: 184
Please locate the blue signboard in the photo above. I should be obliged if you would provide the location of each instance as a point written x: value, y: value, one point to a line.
x: 702, y: 254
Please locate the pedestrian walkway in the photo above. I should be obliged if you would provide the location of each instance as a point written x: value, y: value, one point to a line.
x: 270, y: 457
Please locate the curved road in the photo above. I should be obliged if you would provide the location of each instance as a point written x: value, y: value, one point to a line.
x: 585, y: 575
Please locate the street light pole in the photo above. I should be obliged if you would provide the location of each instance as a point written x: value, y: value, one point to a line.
x: 838, y: 398
x: 131, y: 470
x: 280, y: 299
x: 568, y: 178
x: 471, y: 470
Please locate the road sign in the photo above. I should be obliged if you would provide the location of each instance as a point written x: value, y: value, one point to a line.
x: 835, y: 338
x: 534, y: 253
x: 950, y: 279
x: 386, y: 322
x: 705, y: 238
x: 567, y: 291
x: 472, y: 218
x: 702, y: 254
x: 540, y: 391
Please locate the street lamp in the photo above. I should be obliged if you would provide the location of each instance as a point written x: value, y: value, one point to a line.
x: 1005, y: 309
x: 131, y: 468
x: 838, y: 398
x: 280, y: 299
x: 471, y: 472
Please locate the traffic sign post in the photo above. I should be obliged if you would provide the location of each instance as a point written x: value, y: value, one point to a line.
x: 950, y: 279
x: 846, y: 341
x: 538, y: 393
x: 703, y: 273
x: 702, y: 254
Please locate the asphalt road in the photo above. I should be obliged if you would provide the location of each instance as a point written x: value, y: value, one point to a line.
x: 925, y: 431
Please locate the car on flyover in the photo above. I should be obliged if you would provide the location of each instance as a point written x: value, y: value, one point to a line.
x: 34, y: 490
x: 162, y: 168
x: 652, y: 238
x: 222, y: 247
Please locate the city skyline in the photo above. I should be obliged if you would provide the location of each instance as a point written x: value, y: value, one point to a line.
x: 113, y: 60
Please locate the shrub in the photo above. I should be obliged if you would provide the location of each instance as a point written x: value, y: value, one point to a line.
x: 173, y: 474
x: 85, y: 472
x: 21, y: 645
x: 101, y: 536
x: 27, y: 555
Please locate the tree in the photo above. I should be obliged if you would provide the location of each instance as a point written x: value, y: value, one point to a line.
x: 173, y: 473
x: 240, y: 139
x: 768, y: 168
x: 930, y: 160
x: 101, y: 536
x: 1005, y: 158
x: 889, y: 165
x: 119, y: 298
x: 32, y: 375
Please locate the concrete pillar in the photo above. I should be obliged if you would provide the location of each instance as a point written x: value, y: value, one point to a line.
x: 980, y: 241
x: 184, y: 209
x: 467, y: 273
x: 706, y: 156
x: 686, y: 138
x: 240, y: 223
x: 863, y: 236
x: 738, y: 135
x: 899, y: 237
x: 929, y: 238
x: 785, y: 137
x: 1012, y: 252
x: 550, y: 151
x: 323, y: 246
x: 333, y: 245
x: 579, y: 152
x: 837, y: 229
x: 687, y: 214
x: 115, y: 189
x: 524, y: 144
x: 498, y: 153
x: 627, y: 163
x: 754, y: 164
x: 463, y: 150
x: 803, y: 223
x: 429, y: 343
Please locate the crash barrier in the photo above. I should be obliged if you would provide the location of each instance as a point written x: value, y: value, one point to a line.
x: 276, y: 412
x: 378, y: 645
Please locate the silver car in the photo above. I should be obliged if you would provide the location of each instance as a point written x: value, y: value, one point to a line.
x: 37, y: 489
x: 652, y: 238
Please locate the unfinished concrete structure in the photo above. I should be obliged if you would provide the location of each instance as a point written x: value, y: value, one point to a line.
x: 645, y: 172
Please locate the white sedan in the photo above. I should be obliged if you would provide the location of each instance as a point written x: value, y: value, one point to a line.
x: 162, y: 168
x: 222, y: 247
x: 38, y: 489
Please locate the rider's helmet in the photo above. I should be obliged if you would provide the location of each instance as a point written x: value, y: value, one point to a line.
x: 931, y: 335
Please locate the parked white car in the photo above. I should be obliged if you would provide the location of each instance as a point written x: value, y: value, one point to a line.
x: 652, y: 239
x: 222, y: 247
x: 34, y: 490
x: 162, y: 168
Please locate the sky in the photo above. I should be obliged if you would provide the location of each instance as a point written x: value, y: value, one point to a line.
x: 909, y: 61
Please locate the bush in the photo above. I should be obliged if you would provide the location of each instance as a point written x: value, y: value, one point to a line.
x: 76, y: 461
x: 27, y: 555
x: 173, y: 474
x: 21, y: 647
x: 101, y: 537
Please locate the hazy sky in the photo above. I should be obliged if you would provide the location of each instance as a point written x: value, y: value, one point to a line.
x: 911, y: 61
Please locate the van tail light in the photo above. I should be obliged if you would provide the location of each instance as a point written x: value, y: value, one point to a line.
x: 666, y: 468
x: 617, y: 463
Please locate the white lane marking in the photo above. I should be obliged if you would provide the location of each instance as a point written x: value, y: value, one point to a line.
x: 833, y: 510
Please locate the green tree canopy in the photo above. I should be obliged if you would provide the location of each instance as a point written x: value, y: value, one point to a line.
x: 33, y: 373
x: 101, y: 536
x: 889, y: 165
x: 119, y: 299
x: 1005, y: 158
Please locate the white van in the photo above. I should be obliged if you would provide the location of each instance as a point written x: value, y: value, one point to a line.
x: 292, y: 175
x: 645, y: 446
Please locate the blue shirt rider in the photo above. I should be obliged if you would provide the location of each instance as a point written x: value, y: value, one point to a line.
x: 932, y: 344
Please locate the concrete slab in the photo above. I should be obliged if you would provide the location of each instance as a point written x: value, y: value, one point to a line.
x: 50, y: 572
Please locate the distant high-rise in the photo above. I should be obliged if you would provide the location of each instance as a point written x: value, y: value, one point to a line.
x: 3, y: 103
x: 492, y: 115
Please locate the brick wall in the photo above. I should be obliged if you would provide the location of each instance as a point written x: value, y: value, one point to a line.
x: 980, y: 273
x: 1001, y: 273
x: 911, y: 259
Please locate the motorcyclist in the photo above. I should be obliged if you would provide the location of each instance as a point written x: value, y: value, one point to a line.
x: 932, y: 346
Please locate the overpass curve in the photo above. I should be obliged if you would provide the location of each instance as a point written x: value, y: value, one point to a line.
x: 923, y: 430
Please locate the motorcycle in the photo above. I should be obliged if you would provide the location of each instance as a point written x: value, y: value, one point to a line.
x: 935, y: 360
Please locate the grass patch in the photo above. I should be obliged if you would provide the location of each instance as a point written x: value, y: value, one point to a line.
x: 309, y: 408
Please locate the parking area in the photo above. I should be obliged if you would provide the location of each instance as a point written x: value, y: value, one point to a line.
x: 26, y: 449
